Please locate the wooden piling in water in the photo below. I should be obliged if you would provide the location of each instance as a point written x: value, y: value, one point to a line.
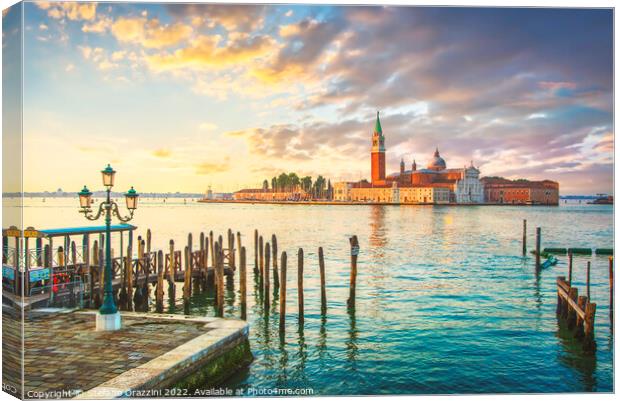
x: 322, y: 274
x: 354, y: 244
x: 148, y: 240
x: 571, y: 312
x: 231, y: 249
x: 242, y: 280
x: 537, y: 247
x: 255, y: 251
x: 159, y: 294
x: 570, y: 267
x: 582, y: 300
x: 129, y: 279
x: 588, y: 281
x: 239, y: 245
x: 274, y: 247
x: 261, y: 261
x: 219, y: 274
x: 187, y: 282
x: 283, y: 292
x: 300, y: 285
x: 524, y: 237
x: 212, y: 249
x: 588, y: 327
x: 611, y: 293
x: 266, y: 278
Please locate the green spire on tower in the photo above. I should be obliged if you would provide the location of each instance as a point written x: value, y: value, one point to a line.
x: 378, y: 125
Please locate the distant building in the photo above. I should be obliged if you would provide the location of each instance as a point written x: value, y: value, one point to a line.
x: 434, y: 184
x: 270, y: 195
x: 521, y: 192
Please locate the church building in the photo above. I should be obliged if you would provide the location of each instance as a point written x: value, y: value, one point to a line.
x: 433, y: 184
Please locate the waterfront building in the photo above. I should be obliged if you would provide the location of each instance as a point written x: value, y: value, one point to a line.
x: 521, y: 192
x: 252, y: 194
x: 433, y: 184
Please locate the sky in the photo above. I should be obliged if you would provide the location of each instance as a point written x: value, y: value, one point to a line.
x: 181, y: 97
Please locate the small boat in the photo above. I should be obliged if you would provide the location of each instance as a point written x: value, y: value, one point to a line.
x: 602, y: 199
x: 551, y: 261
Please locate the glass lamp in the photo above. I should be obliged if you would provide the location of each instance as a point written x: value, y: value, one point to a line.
x: 108, y: 176
x: 85, y: 196
x: 131, y: 197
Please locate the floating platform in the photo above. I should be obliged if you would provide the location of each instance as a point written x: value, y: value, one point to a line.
x: 153, y: 355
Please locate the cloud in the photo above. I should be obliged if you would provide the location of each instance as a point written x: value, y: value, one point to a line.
x: 213, y: 168
x: 205, y: 51
x: 72, y: 10
x: 150, y: 34
x: 244, y: 18
x: 99, y: 26
x: 162, y: 153
x: 70, y: 67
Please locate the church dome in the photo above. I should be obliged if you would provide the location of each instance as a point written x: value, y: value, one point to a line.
x: 437, y: 163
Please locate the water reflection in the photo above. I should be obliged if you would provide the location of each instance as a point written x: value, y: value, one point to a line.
x: 351, y: 343
x: 575, y: 358
x: 378, y: 237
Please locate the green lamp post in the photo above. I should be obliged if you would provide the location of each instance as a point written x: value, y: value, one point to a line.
x: 108, y: 317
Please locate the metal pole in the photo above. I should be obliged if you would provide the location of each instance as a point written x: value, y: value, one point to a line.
x: 108, y: 307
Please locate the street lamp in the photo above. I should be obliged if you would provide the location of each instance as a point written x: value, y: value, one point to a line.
x: 108, y: 317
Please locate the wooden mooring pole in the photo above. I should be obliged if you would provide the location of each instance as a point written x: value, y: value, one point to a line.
x: 220, y: 281
x: 524, y: 237
x: 537, y: 247
x: 243, y: 282
x: 261, y: 261
x: 283, y: 292
x: 159, y: 294
x: 266, y: 279
x: 611, y: 290
x: 187, y: 282
x: 255, y: 251
x: 570, y: 267
x: 322, y: 274
x: 300, y: 285
x: 276, y: 276
x: 588, y: 281
x: 355, y: 248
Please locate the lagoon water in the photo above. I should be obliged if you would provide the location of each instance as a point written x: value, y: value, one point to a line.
x: 445, y: 301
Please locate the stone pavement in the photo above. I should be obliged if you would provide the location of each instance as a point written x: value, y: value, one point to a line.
x: 63, y: 352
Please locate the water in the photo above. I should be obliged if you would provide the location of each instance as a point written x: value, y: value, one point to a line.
x: 445, y: 302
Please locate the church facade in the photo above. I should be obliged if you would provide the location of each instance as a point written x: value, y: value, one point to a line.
x: 433, y: 184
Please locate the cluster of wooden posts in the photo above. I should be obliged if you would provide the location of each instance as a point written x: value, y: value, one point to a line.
x: 208, y: 265
x: 578, y: 311
x: 267, y: 269
x: 196, y: 268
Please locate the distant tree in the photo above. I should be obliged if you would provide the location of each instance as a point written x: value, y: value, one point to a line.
x: 274, y: 184
x: 293, y: 181
x: 306, y: 184
x: 265, y: 185
x: 319, y: 187
x: 283, y: 182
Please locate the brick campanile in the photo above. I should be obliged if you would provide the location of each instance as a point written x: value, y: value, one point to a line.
x: 377, y: 155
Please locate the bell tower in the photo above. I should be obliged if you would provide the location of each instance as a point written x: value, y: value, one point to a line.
x: 377, y: 154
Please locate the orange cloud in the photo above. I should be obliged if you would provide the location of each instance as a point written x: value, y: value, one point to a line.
x: 204, y: 51
x: 210, y: 168
x: 162, y: 153
x: 72, y: 10
x: 150, y: 33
